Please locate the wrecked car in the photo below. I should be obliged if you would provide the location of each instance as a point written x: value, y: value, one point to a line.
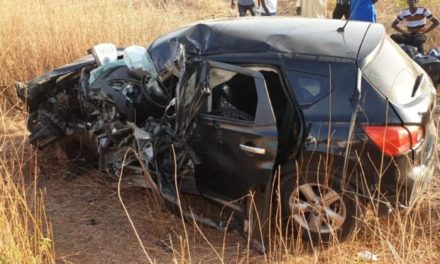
x: 335, y: 115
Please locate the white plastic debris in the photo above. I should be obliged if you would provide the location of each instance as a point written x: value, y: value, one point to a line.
x: 135, y: 57
x: 105, y: 53
x: 367, y: 256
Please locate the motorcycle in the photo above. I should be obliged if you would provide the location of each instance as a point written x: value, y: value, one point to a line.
x: 429, y: 62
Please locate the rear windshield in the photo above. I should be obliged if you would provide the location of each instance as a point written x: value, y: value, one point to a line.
x: 393, y: 73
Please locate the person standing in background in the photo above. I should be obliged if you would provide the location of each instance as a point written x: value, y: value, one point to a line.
x: 267, y: 7
x: 363, y: 10
x: 311, y: 8
x: 342, y: 9
x: 244, y: 6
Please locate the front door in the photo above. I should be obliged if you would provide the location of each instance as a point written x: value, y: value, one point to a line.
x: 236, y: 136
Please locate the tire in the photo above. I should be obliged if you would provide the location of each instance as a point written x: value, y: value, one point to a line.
x: 304, y: 207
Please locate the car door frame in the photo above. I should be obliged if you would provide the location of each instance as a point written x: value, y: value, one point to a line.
x: 263, y: 127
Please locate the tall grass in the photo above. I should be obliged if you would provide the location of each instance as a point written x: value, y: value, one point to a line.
x: 25, y: 233
x: 38, y: 35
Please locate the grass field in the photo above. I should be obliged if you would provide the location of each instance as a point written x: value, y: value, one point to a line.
x: 35, y: 218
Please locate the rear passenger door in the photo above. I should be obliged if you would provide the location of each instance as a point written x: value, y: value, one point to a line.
x: 236, y: 133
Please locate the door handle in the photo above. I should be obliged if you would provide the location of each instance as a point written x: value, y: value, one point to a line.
x: 252, y: 150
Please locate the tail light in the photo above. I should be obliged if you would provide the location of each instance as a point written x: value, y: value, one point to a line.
x: 395, y: 140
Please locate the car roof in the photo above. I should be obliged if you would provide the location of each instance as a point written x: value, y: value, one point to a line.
x: 293, y: 35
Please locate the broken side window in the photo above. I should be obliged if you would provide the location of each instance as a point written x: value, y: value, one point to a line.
x: 234, y: 95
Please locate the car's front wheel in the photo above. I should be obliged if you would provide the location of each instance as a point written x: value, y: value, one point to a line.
x: 316, y: 206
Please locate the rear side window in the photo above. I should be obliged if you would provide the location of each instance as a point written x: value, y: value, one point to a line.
x: 308, y: 88
x: 393, y: 73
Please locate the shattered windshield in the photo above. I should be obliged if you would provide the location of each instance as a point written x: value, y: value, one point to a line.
x: 137, y: 60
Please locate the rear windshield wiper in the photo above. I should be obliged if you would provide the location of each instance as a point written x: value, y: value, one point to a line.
x: 417, y: 84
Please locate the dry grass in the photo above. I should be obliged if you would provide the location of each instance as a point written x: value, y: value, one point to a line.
x: 37, y: 36
x: 25, y: 235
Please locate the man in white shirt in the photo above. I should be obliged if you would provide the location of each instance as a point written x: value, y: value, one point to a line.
x: 267, y: 7
x: 416, y: 26
x: 311, y: 8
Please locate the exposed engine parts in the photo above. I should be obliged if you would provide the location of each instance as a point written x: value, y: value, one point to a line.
x: 125, y: 112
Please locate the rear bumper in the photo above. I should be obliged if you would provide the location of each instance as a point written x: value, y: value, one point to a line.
x: 411, y: 177
x: 421, y: 174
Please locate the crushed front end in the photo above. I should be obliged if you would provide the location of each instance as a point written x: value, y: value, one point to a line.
x: 137, y: 121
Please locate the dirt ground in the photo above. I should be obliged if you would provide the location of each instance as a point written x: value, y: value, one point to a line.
x: 90, y: 225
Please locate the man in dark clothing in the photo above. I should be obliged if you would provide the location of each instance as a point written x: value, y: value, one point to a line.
x: 342, y: 9
x: 244, y: 6
x: 415, y: 18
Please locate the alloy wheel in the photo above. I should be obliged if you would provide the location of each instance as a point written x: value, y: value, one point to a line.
x: 317, y: 208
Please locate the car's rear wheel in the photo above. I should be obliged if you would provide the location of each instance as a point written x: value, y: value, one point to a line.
x: 316, y: 206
